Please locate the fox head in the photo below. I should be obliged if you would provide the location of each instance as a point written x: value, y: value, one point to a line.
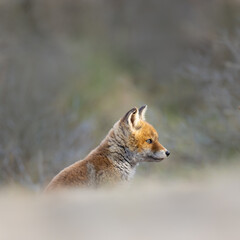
x: 140, y: 137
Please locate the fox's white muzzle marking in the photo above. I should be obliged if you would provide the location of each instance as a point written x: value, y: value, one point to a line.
x: 160, y: 154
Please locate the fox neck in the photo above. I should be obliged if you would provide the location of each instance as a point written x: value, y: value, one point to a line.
x: 119, y: 153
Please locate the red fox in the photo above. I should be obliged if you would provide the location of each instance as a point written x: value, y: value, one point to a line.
x: 131, y: 140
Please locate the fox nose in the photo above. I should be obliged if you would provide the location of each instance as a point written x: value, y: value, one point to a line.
x: 167, y: 153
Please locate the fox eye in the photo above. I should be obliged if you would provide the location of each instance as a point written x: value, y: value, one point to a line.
x: 149, y: 141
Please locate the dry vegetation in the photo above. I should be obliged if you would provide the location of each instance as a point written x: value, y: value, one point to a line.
x: 70, y: 69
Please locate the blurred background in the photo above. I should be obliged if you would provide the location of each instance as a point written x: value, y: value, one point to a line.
x: 69, y: 69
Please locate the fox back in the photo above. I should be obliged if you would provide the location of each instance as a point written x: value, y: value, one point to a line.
x: 131, y: 140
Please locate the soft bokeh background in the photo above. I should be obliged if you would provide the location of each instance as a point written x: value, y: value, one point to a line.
x: 70, y: 69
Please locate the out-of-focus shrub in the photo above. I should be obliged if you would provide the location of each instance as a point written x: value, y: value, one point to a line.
x: 70, y: 69
x: 214, y: 75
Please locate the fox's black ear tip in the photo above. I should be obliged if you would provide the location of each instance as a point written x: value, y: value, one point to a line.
x: 133, y: 110
x: 143, y: 107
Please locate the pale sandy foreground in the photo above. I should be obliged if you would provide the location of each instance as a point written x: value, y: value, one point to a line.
x: 203, y: 208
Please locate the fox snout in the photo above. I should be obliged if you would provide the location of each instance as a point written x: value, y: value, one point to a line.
x: 165, y: 153
x: 160, y: 150
x: 159, y: 155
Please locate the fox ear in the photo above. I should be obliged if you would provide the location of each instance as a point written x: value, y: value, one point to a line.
x: 142, y: 110
x: 132, y: 117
